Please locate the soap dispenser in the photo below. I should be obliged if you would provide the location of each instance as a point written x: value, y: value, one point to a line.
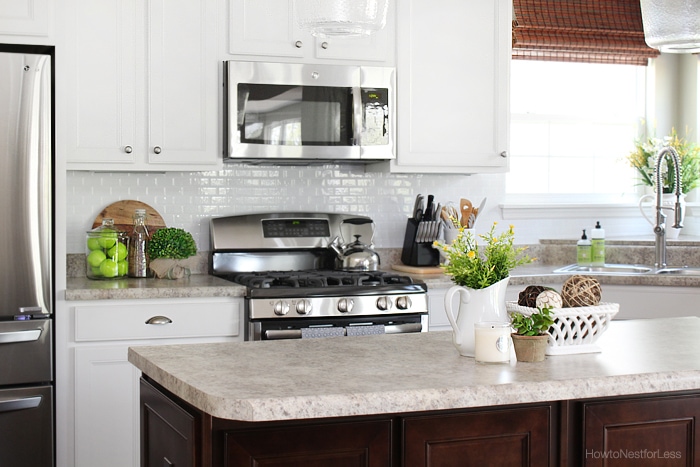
x: 598, y: 245
x: 583, y: 250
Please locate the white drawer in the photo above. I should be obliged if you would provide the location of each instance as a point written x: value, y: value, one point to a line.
x: 128, y: 320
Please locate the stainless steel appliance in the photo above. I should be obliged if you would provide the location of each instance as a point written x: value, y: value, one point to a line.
x: 290, y: 113
x: 292, y: 287
x: 26, y: 257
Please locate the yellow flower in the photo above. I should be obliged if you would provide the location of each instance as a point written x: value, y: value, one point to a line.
x: 471, y: 254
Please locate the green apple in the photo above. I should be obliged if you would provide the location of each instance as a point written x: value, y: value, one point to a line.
x: 109, y: 268
x: 117, y: 252
x: 95, y: 258
x: 93, y: 244
x: 108, y: 238
x: 122, y: 267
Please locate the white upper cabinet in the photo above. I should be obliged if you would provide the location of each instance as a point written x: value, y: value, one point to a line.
x: 267, y: 29
x: 453, y: 64
x: 143, y: 85
x: 25, y: 21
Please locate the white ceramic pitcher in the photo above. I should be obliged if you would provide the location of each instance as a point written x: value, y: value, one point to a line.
x: 668, y: 201
x: 475, y: 305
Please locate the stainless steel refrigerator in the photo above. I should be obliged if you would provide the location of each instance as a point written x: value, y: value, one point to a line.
x: 26, y: 257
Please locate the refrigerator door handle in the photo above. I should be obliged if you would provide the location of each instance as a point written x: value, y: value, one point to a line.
x: 20, y: 336
x: 24, y: 403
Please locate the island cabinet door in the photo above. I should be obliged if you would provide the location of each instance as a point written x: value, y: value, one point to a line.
x: 167, y: 431
x: 503, y: 437
x: 659, y: 431
x: 351, y: 444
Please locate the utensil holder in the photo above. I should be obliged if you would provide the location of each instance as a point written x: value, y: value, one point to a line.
x: 417, y: 254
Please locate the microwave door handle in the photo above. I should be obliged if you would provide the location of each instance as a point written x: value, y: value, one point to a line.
x: 357, y: 113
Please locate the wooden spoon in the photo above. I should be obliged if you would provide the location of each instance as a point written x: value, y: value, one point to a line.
x: 465, y: 207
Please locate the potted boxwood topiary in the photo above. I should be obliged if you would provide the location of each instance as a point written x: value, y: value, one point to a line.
x: 171, y: 252
x: 530, y: 336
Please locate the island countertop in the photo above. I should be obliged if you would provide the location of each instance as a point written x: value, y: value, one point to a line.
x: 333, y: 377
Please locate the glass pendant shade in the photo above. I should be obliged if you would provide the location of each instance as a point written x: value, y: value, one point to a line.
x: 341, y: 17
x: 672, y: 25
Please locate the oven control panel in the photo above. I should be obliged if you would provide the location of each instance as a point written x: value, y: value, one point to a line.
x: 276, y: 308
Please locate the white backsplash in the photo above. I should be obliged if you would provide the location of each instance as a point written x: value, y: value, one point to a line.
x: 189, y: 199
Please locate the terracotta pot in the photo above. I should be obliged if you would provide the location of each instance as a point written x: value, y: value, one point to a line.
x: 529, y: 348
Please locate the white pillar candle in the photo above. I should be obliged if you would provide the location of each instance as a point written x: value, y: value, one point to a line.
x: 492, y: 342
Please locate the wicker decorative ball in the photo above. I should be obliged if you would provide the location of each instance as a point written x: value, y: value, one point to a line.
x: 549, y: 298
x: 581, y: 291
x: 528, y: 297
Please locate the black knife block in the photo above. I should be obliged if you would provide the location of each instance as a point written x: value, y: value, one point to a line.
x: 417, y: 254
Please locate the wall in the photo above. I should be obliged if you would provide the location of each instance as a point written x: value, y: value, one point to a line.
x: 188, y: 200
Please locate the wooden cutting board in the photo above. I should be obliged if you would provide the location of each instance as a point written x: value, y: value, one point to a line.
x: 123, y: 214
x: 418, y: 269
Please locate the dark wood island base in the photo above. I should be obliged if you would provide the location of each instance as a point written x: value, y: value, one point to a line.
x: 650, y: 429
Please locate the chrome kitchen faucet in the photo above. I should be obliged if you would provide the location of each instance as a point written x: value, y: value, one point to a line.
x: 660, y: 227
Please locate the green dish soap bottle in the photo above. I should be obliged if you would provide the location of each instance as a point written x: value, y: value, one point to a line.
x: 598, y: 245
x: 583, y: 250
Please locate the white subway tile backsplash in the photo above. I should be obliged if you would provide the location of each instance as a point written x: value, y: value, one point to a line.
x: 189, y: 199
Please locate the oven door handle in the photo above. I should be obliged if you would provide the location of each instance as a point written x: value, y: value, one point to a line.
x: 20, y: 336
x: 24, y: 403
x: 275, y: 334
x: 403, y: 328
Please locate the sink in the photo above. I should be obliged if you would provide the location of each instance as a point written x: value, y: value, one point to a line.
x: 620, y: 269
x: 685, y: 271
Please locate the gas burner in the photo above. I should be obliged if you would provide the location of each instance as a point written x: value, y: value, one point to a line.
x: 317, y: 279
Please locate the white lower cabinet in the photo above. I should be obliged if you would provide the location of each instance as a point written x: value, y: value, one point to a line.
x: 437, y: 316
x: 101, y: 415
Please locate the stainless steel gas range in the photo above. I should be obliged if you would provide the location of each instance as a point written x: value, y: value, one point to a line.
x: 294, y: 288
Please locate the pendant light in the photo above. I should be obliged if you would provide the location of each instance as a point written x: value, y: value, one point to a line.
x: 341, y: 17
x: 672, y: 25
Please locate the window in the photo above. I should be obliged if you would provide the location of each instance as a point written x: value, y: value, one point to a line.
x: 572, y: 125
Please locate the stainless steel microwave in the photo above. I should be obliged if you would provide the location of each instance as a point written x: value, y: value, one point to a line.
x: 287, y: 113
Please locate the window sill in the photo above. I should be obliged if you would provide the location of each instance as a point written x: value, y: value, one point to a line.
x: 567, y: 210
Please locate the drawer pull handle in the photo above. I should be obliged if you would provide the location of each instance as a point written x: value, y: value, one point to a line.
x: 159, y: 320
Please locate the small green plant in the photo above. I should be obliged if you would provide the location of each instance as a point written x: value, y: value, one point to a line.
x: 171, y: 242
x: 536, y: 324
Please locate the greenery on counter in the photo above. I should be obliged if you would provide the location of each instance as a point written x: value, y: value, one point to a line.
x: 171, y: 242
x: 479, y: 266
x: 535, y: 324
x: 643, y: 158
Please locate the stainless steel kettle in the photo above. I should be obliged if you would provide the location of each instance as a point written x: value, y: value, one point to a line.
x: 355, y: 257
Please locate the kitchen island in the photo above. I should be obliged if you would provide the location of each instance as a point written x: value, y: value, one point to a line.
x: 404, y: 399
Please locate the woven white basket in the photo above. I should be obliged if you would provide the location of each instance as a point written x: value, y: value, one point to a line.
x: 575, y: 330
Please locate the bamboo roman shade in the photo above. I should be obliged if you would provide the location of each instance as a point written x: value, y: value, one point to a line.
x: 591, y: 31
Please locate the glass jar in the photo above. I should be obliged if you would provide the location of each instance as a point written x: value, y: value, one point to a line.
x: 106, y: 251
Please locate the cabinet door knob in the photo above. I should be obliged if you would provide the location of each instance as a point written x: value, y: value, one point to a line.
x: 504, y: 154
x: 159, y: 320
x: 324, y: 45
x: 157, y: 150
x: 298, y: 44
x: 128, y: 149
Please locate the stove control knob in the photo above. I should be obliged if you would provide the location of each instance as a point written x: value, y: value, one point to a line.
x: 345, y: 305
x: 304, y: 307
x: 281, y: 308
x: 384, y: 303
x: 403, y: 303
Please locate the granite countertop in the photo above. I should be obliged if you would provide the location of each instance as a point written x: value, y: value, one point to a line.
x: 194, y: 286
x: 554, y: 254
x: 267, y: 380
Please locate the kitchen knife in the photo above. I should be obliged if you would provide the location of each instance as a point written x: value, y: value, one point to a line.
x: 428, y: 214
x: 418, y: 208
